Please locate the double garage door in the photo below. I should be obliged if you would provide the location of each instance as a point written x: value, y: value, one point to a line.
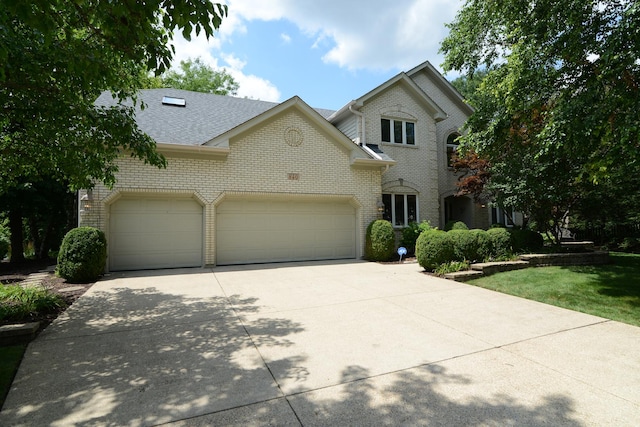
x: 148, y: 233
x: 257, y: 230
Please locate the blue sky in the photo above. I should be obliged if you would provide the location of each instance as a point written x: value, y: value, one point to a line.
x: 327, y: 52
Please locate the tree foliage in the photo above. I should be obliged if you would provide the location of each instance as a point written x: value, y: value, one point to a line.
x: 558, y: 107
x: 39, y: 212
x: 57, y: 56
x: 197, y: 76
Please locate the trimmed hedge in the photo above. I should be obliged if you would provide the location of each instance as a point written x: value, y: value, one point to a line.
x: 410, y: 235
x: 83, y: 255
x: 484, y: 246
x: 500, y: 242
x: 470, y: 245
x: 455, y: 225
x: 433, y: 248
x: 380, y: 241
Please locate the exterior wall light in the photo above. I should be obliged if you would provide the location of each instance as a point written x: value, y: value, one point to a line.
x: 380, y: 207
x: 86, y: 201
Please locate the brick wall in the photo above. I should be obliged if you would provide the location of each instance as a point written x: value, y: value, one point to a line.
x: 258, y: 164
x: 416, y: 165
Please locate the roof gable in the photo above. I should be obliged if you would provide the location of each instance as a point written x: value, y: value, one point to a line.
x: 430, y: 106
x: 443, y: 84
x: 359, y: 156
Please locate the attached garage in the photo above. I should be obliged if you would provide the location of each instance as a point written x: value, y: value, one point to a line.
x: 148, y: 233
x: 255, y: 230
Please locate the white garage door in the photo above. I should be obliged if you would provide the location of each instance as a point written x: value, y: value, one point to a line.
x: 256, y: 231
x: 148, y: 233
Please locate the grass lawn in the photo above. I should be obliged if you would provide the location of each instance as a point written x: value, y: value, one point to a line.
x: 10, y: 358
x: 610, y: 291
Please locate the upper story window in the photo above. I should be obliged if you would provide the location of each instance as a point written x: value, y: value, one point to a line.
x: 452, y: 147
x: 398, y: 131
x: 400, y: 209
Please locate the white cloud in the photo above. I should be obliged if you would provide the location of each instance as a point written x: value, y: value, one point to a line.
x: 357, y: 34
x: 250, y: 86
x: 286, y: 38
x: 365, y: 34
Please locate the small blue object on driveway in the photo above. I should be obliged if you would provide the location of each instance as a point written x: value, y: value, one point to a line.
x: 402, y: 251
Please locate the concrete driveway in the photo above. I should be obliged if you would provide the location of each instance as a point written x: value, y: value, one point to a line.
x: 323, y: 343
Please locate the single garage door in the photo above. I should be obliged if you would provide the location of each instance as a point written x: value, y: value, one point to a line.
x: 147, y: 233
x: 255, y: 231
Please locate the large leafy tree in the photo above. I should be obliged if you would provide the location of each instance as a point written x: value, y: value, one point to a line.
x: 57, y: 56
x: 197, y: 76
x: 558, y: 108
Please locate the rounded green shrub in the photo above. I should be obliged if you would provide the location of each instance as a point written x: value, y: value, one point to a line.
x: 483, y: 245
x: 455, y: 225
x: 410, y: 235
x: 500, y: 242
x: 526, y: 241
x: 462, y: 242
x: 470, y: 245
x: 433, y: 248
x: 83, y: 255
x: 380, y: 241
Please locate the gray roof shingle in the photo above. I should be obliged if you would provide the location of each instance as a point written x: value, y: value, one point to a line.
x: 204, y: 117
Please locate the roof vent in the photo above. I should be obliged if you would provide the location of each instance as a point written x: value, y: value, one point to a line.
x: 176, y: 102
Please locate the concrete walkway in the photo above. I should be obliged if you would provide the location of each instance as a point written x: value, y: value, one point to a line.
x: 324, y: 343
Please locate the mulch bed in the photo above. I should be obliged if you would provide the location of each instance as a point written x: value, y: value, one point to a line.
x: 15, y: 273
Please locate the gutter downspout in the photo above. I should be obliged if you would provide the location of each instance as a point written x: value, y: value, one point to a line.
x: 361, y: 132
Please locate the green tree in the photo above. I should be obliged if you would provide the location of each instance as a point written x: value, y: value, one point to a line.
x: 199, y: 77
x: 39, y: 212
x: 468, y: 85
x: 558, y: 107
x: 57, y: 56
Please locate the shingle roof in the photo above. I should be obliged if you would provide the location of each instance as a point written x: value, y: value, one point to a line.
x: 204, y: 117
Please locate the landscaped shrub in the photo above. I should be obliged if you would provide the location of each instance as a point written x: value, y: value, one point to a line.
x: 500, y: 242
x: 410, y: 235
x: 526, y: 241
x: 18, y: 303
x: 455, y: 225
x: 433, y: 248
x: 463, y: 245
x: 380, y: 241
x: 470, y: 245
x: 451, y: 267
x: 83, y: 255
x: 483, y: 244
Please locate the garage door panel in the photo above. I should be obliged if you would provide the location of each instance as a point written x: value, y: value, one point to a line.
x: 254, y: 231
x: 151, y: 233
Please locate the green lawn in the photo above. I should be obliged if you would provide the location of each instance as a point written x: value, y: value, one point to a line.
x: 10, y: 358
x: 610, y: 291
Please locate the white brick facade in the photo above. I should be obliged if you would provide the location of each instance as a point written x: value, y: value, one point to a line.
x: 416, y: 165
x: 255, y: 160
x: 259, y: 164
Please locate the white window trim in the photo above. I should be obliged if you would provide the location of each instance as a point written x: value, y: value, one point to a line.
x: 449, y: 145
x: 501, y: 213
x: 406, y: 211
x: 404, y: 131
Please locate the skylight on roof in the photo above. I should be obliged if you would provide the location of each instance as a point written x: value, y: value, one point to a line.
x: 170, y: 100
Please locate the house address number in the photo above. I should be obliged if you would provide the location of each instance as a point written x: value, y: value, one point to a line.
x: 293, y: 176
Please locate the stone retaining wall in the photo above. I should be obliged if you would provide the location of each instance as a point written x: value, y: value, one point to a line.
x: 583, y: 258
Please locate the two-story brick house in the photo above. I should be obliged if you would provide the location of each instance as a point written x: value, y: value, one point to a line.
x: 251, y: 181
